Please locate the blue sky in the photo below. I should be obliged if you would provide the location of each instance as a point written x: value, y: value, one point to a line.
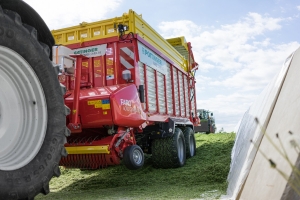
x: 239, y: 45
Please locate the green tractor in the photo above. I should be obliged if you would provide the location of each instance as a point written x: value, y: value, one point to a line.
x: 207, y: 122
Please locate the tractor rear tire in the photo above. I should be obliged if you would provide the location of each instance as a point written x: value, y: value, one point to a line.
x: 212, y: 129
x: 190, y: 142
x: 32, y: 112
x: 169, y: 152
x: 133, y: 157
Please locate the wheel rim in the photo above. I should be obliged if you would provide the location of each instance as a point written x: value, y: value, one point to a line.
x: 192, y: 145
x: 23, y: 111
x: 180, y: 149
x: 137, y: 156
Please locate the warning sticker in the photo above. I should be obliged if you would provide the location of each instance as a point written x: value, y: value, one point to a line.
x: 96, y: 63
x: 104, y: 104
x: 85, y: 64
x: 93, y: 102
x: 109, y: 61
x: 110, y: 71
x: 98, y: 105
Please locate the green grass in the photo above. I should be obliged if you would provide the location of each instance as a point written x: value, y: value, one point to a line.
x: 203, y: 177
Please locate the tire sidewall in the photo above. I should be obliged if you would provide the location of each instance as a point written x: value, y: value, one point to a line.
x: 188, y: 134
x: 178, y: 136
x: 128, y: 157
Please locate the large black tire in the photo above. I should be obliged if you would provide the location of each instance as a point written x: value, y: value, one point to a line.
x: 209, y: 129
x: 169, y: 152
x: 190, y: 142
x: 33, y: 178
x: 133, y: 157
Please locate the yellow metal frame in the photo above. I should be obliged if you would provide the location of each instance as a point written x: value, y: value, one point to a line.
x: 180, y: 44
x: 88, y: 149
x: 108, y: 28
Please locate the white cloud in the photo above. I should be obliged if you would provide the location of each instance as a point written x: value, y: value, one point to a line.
x: 179, y: 28
x: 258, y: 67
x: 236, y: 61
x: 63, y: 13
x: 222, y: 47
x: 221, y: 103
x: 227, y: 109
x: 203, y: 79
x: 298, y: 7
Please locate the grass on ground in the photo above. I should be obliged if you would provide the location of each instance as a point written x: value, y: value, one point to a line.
x: 203, y: 177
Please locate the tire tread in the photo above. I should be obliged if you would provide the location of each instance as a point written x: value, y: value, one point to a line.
x: 188, y: 132
x: 164, y: 151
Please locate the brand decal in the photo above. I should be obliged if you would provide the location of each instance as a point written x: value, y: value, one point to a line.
x: 129, y: 106
x: 151, y: 59
x: 125, y: 102
x: 93, y: 51
x: 149, y: 54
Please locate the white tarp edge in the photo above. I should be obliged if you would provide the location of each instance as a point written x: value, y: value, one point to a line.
x: 243, y: 152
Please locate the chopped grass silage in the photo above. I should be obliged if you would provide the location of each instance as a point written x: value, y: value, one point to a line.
x: 203, y: 177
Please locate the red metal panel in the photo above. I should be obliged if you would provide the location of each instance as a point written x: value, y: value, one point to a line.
x: 136, y: 60
x: 91, y: 72
x: 119, y: 105
x: 107, y: 70
x: 185, y: 87
x: 98, y: 71
x: 92, y: 114
x: 74, y: 112
x: 173, y: 89
x: 166, y: 101
x: 192, y: 65
x: 126, y: 107
x: 93, y: 43
x: 126, y: 59
x: 146, y: 87
x: 71, y: 82
x: 110, y: 65
x: 157, y: 93
x: 116, y: 64
x: 195, y: 111
x: 178, y: 87
x: 190, y: 100
x: 85, y: 65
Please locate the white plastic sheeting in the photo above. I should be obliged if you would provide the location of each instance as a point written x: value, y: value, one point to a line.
x: 243, y: 152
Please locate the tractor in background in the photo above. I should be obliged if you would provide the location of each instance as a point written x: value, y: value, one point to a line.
x: 207, y: 122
